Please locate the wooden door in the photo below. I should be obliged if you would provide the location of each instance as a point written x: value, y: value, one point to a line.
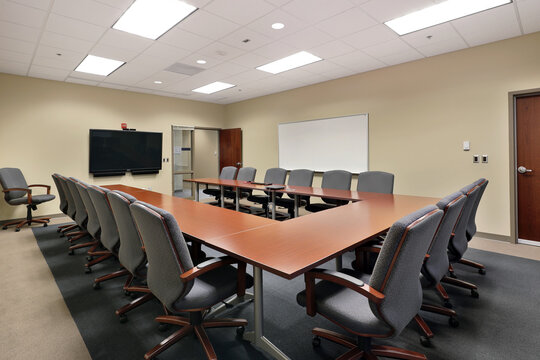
x: 230, y: 148
x: 528, y: 166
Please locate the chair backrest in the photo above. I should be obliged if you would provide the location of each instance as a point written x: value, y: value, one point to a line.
x: 376, y: 181
x: 166, y: 250
x: 300, y: 177
x: 275, y: 176
x: 92, y: 226
x: 398, y: 266
x: 61, y: 193
x: 81, y: 215
x: 246, y: 174
x: 459, y: 243
x: 130, y: 253
x: 436, y: 266
x: 228, y: 173
x: 471, y: 226
x: 71, y: 209
x: 109, y: 231
x: 336, y: 179
x: 12, y: 178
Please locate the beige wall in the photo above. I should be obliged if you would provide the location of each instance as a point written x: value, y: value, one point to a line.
x: 44, y: 129
x: 419, y: 115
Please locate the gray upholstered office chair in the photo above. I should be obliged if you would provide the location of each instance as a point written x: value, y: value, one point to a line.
x: 298, y: 177
x: 181, y: 286
x: 81, y: 215
x: 130, y: 253
x: 382, y: 305
x: 93, y: 226
x: 376, y: 181
x: 227, y: 173
x: 18, y: 192
x: 244, y: 174
x: 272, y: 176
x: 334, y: 179
x: 61, y: 188
x: 71, y: 209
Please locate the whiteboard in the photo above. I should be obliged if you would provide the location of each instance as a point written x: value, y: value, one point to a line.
x: 339, y: 143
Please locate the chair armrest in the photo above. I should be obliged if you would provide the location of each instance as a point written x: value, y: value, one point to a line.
x: 28, y: 192
x: 205, y: 267
x: 341, y: 279
x: 48, y: 187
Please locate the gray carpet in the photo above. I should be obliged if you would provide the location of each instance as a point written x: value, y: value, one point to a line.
x: 503, y: 323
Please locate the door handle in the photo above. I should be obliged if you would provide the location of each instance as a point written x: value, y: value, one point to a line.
x: 240, y: 164
x: 523, y: 170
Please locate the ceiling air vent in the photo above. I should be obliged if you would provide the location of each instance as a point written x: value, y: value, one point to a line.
x: 184, y: 69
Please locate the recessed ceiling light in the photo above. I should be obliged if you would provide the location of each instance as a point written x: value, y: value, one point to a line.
x: 98, y: 65
x: 277, y: 26
x: 201, y: 61
x: 158, y: 82
x: 152, y: 18
x: 290, y: 62
x: 440, y: 13
x: 213, y: 87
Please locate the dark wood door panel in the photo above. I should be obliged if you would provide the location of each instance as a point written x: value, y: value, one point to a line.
x: 230, y: 148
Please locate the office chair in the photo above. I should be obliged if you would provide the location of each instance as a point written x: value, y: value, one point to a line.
x: 273, y: 176
x: 227, y: 173
x: 81, y: 215
x: 130, y: 253
x: 379, y: 306
x: 334, y: 179
x: 181, y: 286
x: 18, y: 192
x: 244, y: 174
x: 375, y: 181
x: 60, y: 187
x: 298, y: 177
x: 93, y: 227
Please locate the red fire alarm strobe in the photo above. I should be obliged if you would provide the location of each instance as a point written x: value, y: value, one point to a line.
x: 124, y: 126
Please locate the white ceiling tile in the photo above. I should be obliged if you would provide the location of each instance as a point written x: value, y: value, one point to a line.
x: 81, y: 81
x: 264, y: 24
x: 15, y: 45
x: 67, y: 42
x: 184, y: 39
x: 113, y: 86
x: 140, y: 90
x: 251, y: 60
x: 119, y: 4
x: 529, y: 13
x: 330, y: 69
x: 278, y: 2
x: 238, y: 37
x: 246, y: 77
x: 48, y: 73
x: 125, y: 40
x: 14, y: 67
x: 208, y: 25
x: 74, y: 28
x: 387, y: 48
x: 38, y: 4
x: 384, y: 10
x: 488, y: 26
x: 165, y: 51
x: 192, y: 61
x: 220, y: 51
x: 357, y: 60
x: 229, y: 68
x: 148, y: 83
x: 314, y: 11
x: 127, y: 75
x: 81, y: 75
x: 241, y: 12
x: 47, y: 56
x: 20, y: 32
x: 22, y: 15
x: 276, y: 50
x: 346, y: 23
x: 7, y: 55
x: 168, y: 78
x: 430, y: 35
x: 149, y: 63
x: 332, y: 49
x: 88, y: 11
x: 369, y: 37
x: 113, y: 52
x: 401, y: 57
x: 441, y: 47
x: 198, y: 3
x: 307, y: 38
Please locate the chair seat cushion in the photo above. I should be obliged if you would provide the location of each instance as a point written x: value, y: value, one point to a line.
x: 259, y: 199
x: 346, y: 308
x: 289, y: 203
x: 211, y: 288
x: 319, y: 207
x: 212, y: 192
x: 231, y: 194
x: 36, y: 199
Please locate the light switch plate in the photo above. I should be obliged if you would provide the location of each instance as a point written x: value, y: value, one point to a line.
x: 466, y: 146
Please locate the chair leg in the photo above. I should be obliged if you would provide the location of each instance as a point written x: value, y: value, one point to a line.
x: 355, y: 354
x: 481, y: 268
x: 96, y: 261
x: 168, y: 342
x: 79, y: 246
x: 428, y: 334
x: 396, y: 353
x: 110, y: 276
x: 224, y: 323
x: 135, y: 303
x: 205, y: 342
x: 335, y: 337
x: 463, y: 284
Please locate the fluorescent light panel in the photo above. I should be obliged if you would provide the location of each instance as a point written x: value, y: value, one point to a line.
x: 213, y: 87
x: 153, y: 18
x: 441, y: 13
x: 98, y: 65
x: 290, y: 62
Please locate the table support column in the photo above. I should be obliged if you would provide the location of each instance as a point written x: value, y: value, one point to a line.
x: 339, y: 263
x: 197, y: 192
x: 221, y: 195
x: 296, y: 203
x: 257, y: 337
x: 273, y: 205
x: 237, y: 199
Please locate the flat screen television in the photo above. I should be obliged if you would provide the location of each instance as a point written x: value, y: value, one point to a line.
x: 113, y: 152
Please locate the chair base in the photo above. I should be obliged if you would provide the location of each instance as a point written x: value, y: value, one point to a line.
x: 363, y: 349
x: 481, y: 268
x: 20, y: 223
x: 462, y: 284
x: 196, y: 324
x: 129, y: 288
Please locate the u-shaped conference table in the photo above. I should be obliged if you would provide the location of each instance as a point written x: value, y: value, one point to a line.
x: 289, y: 248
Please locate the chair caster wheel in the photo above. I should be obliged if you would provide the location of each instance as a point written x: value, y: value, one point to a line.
x: 474, y: 294
x: 354, y: 265
x: 45, y: 225
x: 240, y: 331
x: 123, y: 319
x: 17, y: 229
x: 448, y: 304
x: 316, y: 341
x: 127, y: 293
x: 96, y: 286
x: 71, y: 252
x: 4, y: 227
x: 87, y: 270
x: 425, y: 341
x: 454, y: 322
x: 89, y: 258
x: 163, y: 327
x: 482, y: 271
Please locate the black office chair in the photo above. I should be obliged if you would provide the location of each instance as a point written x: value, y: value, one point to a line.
x: 379, y: 306
x: 18, y: 192
x: 298, y: 177
x: 227, y: 173
x: 375, y: 181
x: 244, y: 174
x: 181, y: 286
x: 334, y: 179
x: 273, y: 176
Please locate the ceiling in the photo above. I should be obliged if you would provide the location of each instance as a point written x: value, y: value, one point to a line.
x: 49, y: 38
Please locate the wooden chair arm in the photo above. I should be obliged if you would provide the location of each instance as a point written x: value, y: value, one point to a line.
x: 41, y: 185
x: 205, y: 267
x: 371, y: 249
x: 28, y: 192
x: 338, y: 278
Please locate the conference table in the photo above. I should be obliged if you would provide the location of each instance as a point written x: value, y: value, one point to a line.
x: 287, y: 249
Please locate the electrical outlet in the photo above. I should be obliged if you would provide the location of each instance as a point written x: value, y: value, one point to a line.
x: 475, y: 158
x: 484, y: 159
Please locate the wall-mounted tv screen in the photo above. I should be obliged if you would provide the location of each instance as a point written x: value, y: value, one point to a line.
x: 116, y: 151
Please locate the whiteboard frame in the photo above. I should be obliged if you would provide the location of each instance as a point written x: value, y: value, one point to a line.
x: 327, y: 118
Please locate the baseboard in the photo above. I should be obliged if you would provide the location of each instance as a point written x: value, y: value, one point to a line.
x: 2, y: 222
x: 491, y: 236
x: 528, y: 242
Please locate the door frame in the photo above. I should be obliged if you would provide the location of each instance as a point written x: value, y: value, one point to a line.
x: 512, y: 97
